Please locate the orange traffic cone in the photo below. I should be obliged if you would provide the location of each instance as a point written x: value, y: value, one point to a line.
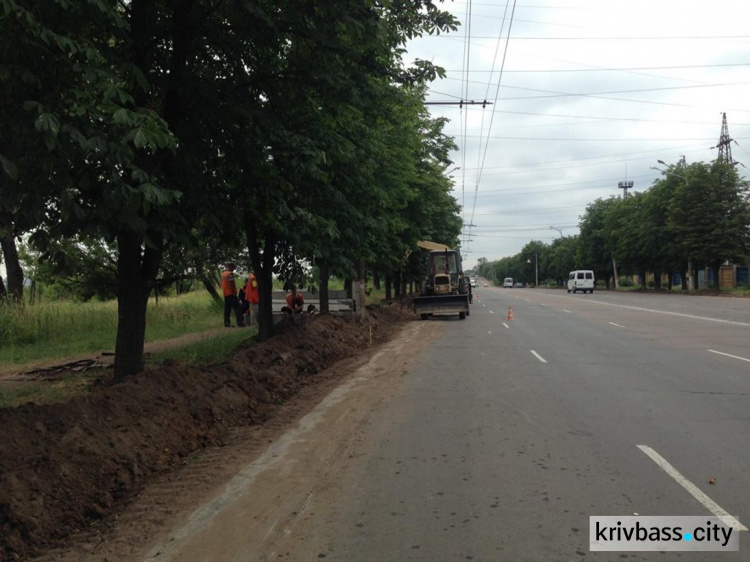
x: 510, y: 313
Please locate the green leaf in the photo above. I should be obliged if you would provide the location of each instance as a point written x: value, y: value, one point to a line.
x: 10, y: 169
x: 140, y: 139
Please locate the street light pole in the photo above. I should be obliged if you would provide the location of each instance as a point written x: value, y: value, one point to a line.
x: 536, y: 268
x: 557, y: 229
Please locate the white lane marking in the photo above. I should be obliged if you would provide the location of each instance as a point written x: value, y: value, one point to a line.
x: 492, y: 312
x: 694, y: 491
x: 728, y: 355
x: 535, y: 354
x: 694, y: 317
x: 568, y: 311
x: 490, y: 333
x: 504, y: 324
x: 616, y: 325
x: 542, y: 304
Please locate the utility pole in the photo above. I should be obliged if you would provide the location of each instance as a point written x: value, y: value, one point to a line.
x: 483, y: 103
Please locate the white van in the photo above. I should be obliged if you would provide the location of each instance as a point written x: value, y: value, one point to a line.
x: 581, y: 280
x: 508, y: 283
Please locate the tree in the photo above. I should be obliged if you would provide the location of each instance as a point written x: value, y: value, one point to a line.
x: 596, y: 243
x: 562, y: 258
x: 710, y: 216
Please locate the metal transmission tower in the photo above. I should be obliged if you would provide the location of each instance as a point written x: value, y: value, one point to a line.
x: 725, y: 143
x: 625, y: 185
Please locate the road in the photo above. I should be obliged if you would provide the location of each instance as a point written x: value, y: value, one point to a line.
x: 501, y: 437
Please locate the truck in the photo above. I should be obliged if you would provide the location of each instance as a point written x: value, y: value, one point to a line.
x: 445, y: 289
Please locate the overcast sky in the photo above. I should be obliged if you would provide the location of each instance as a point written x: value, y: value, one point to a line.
x: 591, y: 93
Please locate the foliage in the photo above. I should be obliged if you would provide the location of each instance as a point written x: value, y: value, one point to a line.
x: 709, y: 216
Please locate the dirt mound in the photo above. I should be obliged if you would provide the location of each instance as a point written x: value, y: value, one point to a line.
x: 66, y: 467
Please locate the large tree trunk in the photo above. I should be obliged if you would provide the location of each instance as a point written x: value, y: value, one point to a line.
x: 262, y: 262
x: 3, y: 292
x: 325, y: 275
x: 12, y: 266
x: 136, y: 273
x: 388, y: 286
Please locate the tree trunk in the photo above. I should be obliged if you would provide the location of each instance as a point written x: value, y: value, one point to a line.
x: 657, y: 279
x: 210, y: 286
x: 136, y: 272
x: 358, y: 290
x: 3, y: 292
x: 262, y: 263
x: 376, y: 280
x: 388, y: 287
x: 12, y: 267
x: 397, y: 284
x: 716, y: 268
x: 325, y: 275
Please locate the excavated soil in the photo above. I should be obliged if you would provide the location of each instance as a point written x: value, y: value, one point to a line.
x: 68, y: 471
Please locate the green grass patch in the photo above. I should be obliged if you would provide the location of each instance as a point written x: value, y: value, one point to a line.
x: 60, y: 330
x: 208, y: 351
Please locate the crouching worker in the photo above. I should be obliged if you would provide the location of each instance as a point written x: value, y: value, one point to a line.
x: 294, y: 303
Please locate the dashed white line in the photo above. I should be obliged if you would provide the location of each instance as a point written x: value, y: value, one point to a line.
x: 492, y: 312
x: 616, y: 325
x: 504, y: 324
x: 668, y: 313
x: 535, y: 354
x: 694, y: 491
x: 568, y: 311
x: 728, y: 355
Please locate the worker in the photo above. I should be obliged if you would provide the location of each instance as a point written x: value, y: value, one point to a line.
x: 231, y: 302
x: 252, y: 297
x: 294, y: 302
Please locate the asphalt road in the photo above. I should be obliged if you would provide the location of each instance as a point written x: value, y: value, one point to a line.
x: 503, y: 436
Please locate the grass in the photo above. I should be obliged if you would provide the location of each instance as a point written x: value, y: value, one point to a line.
x: 51, y: 391
x: 58, y: 331
x: 62, y: 330
x: 207, y: 351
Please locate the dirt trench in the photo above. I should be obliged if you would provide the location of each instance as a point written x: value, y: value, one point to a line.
x: 68, y: 471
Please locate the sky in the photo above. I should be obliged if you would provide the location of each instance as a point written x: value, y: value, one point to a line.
x: 582, y: 95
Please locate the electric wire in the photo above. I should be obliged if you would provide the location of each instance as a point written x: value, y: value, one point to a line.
x: 494, y: 105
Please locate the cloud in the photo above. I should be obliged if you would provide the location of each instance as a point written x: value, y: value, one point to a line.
x: 590, y: 94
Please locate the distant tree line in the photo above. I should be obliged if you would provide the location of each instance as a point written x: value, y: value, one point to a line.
x: 696, y: 216
x: 150, y: 141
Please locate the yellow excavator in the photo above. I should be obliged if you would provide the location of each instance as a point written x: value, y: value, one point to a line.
x: 445, y: 289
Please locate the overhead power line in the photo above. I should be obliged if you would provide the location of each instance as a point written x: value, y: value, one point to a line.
x: 623, y: 69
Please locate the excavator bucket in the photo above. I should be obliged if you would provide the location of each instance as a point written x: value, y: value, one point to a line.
x: 442, y: 304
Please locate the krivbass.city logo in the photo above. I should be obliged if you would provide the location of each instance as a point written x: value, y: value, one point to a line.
x: 662, y: 533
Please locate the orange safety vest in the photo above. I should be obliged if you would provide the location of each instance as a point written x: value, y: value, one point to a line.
x: 252, y: 293
x: 297, y: 299
x: 228, y: 286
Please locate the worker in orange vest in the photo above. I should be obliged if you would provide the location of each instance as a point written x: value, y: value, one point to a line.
x: 229, y: 289
x: 294, y: 302
x: 252, y: 298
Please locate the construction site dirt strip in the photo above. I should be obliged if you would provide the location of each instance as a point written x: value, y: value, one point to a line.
x: 67, y: 471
